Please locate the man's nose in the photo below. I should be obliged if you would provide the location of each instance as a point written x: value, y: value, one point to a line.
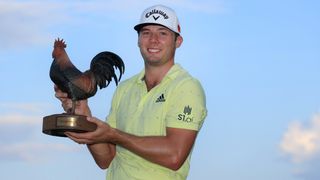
x: 154, y: 37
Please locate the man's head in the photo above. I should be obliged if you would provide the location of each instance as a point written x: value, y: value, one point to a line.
x: 158, y: 35
x: 159, y: 15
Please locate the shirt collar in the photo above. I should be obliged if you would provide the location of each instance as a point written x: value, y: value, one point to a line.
x: 171, y: 74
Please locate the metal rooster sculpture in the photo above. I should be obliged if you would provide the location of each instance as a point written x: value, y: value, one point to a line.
x: 82, y: 85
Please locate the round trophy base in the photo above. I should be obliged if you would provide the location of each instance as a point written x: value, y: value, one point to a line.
x: 58, y: 124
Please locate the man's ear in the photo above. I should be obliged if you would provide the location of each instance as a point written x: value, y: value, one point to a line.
x: 139, y: 40
x: 179, y: 41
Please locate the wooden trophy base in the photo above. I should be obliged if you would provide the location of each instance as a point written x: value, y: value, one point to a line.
x: 58, y: 124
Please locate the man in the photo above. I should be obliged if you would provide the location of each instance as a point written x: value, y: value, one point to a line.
x: 155, y: 115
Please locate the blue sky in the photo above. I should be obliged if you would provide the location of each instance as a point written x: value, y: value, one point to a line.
x: 258, y: 62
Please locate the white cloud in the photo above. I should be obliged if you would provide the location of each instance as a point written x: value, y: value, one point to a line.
x: 33, y: 151
x: 20, y: 114
x: 20, y: 132
x: 26, y: 107
x: 302, y: 142
x: 25, y: 23
x: 19, y: 119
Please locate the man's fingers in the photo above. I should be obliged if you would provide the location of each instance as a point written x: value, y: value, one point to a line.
x: 59, y: 93
x: 93, y: 119
x: 63, y: 97
x: 55, y: 87
x: 80, y: 138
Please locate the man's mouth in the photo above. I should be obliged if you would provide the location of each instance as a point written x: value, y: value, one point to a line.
x: 153, y: 50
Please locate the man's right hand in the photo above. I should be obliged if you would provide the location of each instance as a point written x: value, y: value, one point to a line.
x: 82, y: 107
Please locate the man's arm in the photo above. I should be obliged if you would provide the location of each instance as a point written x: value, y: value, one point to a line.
x: 169, y: 151
x: 102, y: 153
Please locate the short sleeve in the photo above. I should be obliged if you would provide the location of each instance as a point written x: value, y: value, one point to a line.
x: 111, y: 118
x: 187, y: 106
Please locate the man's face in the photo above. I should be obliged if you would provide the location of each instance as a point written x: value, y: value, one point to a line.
x: 158, y: 44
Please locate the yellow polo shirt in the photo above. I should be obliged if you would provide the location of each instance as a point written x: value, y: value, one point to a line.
x: 178, y: 102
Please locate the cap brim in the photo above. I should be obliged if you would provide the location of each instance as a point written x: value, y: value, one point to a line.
x: 139, y: 26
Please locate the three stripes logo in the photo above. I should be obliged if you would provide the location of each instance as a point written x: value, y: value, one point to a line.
x: 161, y: 98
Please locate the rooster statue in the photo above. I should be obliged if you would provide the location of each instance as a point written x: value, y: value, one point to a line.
x: 82, y: 85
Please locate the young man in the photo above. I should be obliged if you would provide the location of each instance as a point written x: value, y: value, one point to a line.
x: 155, y: 115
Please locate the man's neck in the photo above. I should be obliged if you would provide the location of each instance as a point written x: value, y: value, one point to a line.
x: 154, y: 75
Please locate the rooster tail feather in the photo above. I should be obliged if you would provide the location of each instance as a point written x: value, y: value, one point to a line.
x: 103, y: 66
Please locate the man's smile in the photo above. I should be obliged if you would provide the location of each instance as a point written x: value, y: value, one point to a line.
x: 153, y: 50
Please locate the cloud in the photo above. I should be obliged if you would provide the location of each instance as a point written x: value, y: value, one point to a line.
x: 20, y: 121
x: 25, y: 23
x: 15, y: 127
x: 21, y: 132
x: 21, y: 114
x: 26, y: 107
x: 32, y: 151
x: 301, y: 144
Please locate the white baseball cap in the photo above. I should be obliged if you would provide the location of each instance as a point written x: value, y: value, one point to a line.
x: 161, y: 15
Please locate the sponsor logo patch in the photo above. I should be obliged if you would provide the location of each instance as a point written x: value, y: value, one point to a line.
x: 156, y: 11
x: 161, y: 98
x: 186, y: 115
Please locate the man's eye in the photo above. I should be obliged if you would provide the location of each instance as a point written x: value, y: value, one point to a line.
x: 163, y: 33
x: 145, y: 33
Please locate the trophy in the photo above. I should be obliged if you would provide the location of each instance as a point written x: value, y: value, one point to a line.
x: 78, y: 85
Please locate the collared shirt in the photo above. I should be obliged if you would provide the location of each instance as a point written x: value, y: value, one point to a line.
x: 178, y: 101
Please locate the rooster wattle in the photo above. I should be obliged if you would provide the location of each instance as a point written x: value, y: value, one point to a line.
x: 82, y: 85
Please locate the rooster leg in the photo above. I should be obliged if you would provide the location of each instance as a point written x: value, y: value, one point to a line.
x: 73, y: 108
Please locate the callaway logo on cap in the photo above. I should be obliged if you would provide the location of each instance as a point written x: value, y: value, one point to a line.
x: 161, y: 15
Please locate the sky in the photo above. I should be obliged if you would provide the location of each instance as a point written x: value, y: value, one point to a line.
x: 258, y: 62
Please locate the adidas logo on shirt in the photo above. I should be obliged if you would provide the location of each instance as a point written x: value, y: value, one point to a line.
x: 161, y: 98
